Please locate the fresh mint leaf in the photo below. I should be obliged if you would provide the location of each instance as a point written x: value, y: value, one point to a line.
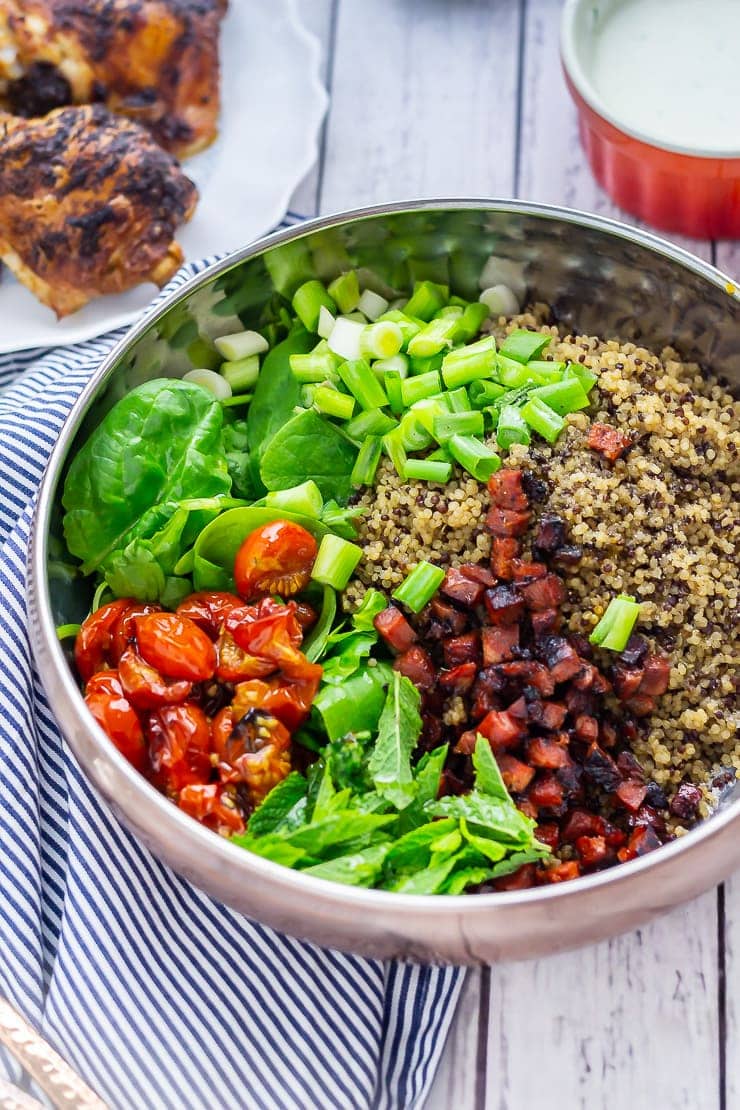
x: 359, y: 869
x: 341, y: 828
x: 355, y: 705
x: 341, y: 664
x: 487, y: 816
x: 427, y: 777
x: 373, y: 602
x: 278, y: 804
x: 413, y: 850
x: 398, y: 733
x: 487, y: 774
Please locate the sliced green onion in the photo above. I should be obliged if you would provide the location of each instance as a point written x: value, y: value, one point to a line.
x: 240, y: 399
x: 427, y: 470
x: 416, y: 389
x: 419, y: 587
x: 454, y: 310
x: 470, y: 323
x: 435, y: 337
x: 396, y: 364
x: 326, y: 322
x: 477, y: 360
x: 345, y: 338
x: 241, y: 344
x: 307, y: 302
x: 66, y: 631
x: 563, y: 397
x: 457, y: 424
x: 426, y: 365
x: 372, y: 304
x: 414, y: 436
x: 345, y: 290
x: 474, y: 456
x: 513, y: 374
x: 511, y: 427
x: 546, y: 372
x: 425, y: 410
x: 383, y: 339
x: 366, y: 463
x: 485, y: 393
x: 586, y: 377
x: 314, y: 366
x: 500, y: 300
x: 427, y: 299
x: 615, y: 627
x: 210, y: 381
x: 440, y: 455
x: 395, y: 450
x: 336, y: 561
x: 542, y: 419
x: 305, y: 499
x: 330, y: 401
x: 458, y: 400
x: 409, y: 328
x: 371, y: 422
x: 523, y: 345
x: 392, y: 384
x: 243, y: 373
x: 362, y: 384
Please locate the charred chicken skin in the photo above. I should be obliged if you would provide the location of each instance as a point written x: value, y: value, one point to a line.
x: 155, y: 61
x: 89, y: 204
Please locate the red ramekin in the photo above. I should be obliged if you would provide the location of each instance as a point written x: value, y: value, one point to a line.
x: 694, y: 192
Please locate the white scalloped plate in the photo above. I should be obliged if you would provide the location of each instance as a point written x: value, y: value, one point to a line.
x: 273, y: 105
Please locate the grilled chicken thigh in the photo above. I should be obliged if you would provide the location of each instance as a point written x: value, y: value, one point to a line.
x: 155, y: 61
x: 89, y: 204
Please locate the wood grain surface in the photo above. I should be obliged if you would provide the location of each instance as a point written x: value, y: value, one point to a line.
x: 466, y: 98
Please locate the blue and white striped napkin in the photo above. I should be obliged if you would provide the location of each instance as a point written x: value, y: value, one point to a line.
x: 157, y: 995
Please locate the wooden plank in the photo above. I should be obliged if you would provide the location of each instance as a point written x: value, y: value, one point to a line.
x: 317, y: 17
x: 424, y: 101
x: 455, y: 1082
x: 731, y: 1047
x: 632, y: 1022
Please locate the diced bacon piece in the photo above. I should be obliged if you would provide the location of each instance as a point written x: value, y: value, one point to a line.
x: 528, y: 673
x: 642, y: 705
x: 522, y: 570
x: 499, y: 643
x: 462, y: 649
x: 547, y: 714
x: 587, y: 728
x: 519, y: 880
x: 516, y: 775
x: 395, y: 629
x: 459, y: 678
x: 563, y: 872
x: 506, y: 522
x: 631, y: 794
x: 548, y: 833
x: 582, y: 823
x: 417, y: 665
x: 518, y: 709
x: 561, y: 658
x: 502, y: 729
x: 461, y: 588
x: 593, y: 850
x: 546, y: 792
x: 544, y: 593
x: 644, y: 839
x: 551, y: 534
x: 504, y: 604
x: 503, y: 552
x: 506, y: 490
x: 466, y: 742
x: 444, y: 619
x: 629, y: 768
x: 478, y: 573
x: 601, y: 768
x: 608, y: 441
x: 544, y: 751
x: 626, y: 680
x: 656, y: 675
x: 545, y: 623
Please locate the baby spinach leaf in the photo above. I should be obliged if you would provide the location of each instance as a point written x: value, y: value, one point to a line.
x: 356, y: 705
x: 278, y: 804
x: 308, y: 446
x: 398, y: 732
x: 341, y: 521
x: 345, y: 662
x: 277, y: 392
x: 373, y: 602
x: 315, y: 643
x: 359, y: 869
x: 158, y: 445
x: 141, y: 569
x: 235, y: 441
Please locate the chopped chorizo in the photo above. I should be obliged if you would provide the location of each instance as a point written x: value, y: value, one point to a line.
x: 505, y: 488
x: 395, y: 629
x: 416, y: 664
x: 499, y: 643
x: 608, y: 441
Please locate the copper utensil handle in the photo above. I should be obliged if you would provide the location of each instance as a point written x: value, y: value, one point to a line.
x: 53, y: 1074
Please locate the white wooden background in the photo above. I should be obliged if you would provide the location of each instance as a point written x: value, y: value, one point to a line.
x: 465, y: 98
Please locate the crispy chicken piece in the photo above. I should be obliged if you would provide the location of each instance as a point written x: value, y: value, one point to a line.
x: 155, y: 61
x: 89, y: 204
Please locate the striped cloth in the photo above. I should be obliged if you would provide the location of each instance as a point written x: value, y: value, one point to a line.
x: 157, y: 995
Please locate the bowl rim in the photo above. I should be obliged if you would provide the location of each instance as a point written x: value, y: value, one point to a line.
x: 585, y: 88
x: 155, y: 808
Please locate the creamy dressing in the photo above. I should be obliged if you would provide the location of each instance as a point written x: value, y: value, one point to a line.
x: 670, y: 70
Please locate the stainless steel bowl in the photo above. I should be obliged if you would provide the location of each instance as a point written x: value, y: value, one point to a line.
x: 600, y: 277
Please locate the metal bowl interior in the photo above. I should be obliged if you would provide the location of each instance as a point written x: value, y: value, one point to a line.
x: 601, y: 278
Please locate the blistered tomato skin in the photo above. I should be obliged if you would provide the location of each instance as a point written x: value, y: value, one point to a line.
x: 175, y: 646
x: 124, y: 633
x: 209, y: 609
x: 144, y: 686
x: 179, y: 746
x: 109, y: 706
x: 212, y: 805
x: 95, y: 638
x: 275, y: 559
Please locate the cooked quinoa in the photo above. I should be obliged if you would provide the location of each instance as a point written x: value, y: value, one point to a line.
x: 662, y: 523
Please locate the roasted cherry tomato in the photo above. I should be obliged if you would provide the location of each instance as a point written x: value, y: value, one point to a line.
x: 235, y: 665
x: 213, y: 805
x: 209, y: 610
x: 124, y: 633
x: 257, y: 753
x: 175, y: 646
x: 94, y: 640
x: 274, y: 637
x: 144, y: 686
x: 222, y: 727
x: 289, y: 701
x: 305, y: 615
x: 179, y: 746
x: 109, y: 706
x: 275, y: 559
